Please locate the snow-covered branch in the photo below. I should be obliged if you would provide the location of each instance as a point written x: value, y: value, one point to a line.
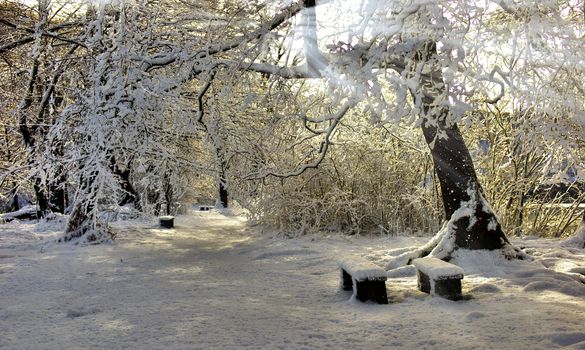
x: 49, y: 32
x: 323, y: 147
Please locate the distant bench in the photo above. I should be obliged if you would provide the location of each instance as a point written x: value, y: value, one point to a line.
x: 166, y: 221
x: 438, y: 277
x: 368, y: 281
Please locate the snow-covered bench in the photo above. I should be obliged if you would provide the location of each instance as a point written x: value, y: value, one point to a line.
x: 438, y: 277
x: 368, y: 281
x: 167, y: 221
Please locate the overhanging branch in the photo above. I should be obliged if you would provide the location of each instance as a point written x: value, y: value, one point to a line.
x: 285, y: 14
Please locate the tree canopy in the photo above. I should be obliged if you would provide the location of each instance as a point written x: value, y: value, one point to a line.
x: 309, y: 114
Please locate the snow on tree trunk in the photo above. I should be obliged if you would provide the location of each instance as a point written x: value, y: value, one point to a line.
x: 130, y: 195
x: 83, y: 225
x: 478, y: 227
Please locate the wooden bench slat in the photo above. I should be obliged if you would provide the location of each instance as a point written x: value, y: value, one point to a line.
x: 362, y: 269
x: 436, y: 268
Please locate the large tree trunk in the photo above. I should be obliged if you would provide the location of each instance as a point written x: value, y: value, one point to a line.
x: 479, y: 228
x: 457, y: 178
x: 58, y: 199
x: 42, y: 201
x: 471, y: 222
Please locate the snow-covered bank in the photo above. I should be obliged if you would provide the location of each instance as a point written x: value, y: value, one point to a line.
x: 212, y: 282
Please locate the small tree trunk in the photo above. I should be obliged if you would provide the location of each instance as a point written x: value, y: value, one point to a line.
x: 58, y: 197
x: 42, y: 201
x: 79, y: 222
x: 223, y: 194
x: 168, y: 197
x: 83, y: 222
x: 14, y: 205
x: 130, y: 195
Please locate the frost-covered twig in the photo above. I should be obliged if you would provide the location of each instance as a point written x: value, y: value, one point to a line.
x: 323, y: 147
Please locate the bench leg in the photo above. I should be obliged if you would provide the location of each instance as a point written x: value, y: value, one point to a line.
x: 374, y: 290
x: 449, y: 289
x: 423, y: 281
x: 346, y: 280
x: 167, y: 223
x: 446, y: 288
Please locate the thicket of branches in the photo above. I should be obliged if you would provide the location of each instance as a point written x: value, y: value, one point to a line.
x: 155, y: 104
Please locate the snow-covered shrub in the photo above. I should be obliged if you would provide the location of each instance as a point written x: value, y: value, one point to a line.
x: 531, y: 175
x: 373, y: 180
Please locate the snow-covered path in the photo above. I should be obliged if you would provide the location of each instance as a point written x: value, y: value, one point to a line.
x: 213, y: 283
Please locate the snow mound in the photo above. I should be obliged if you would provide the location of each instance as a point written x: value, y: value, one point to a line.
x: 284, y: 253
x: 577, y: 240
x: 482, y: 262
x: 539, y: 286
x: 578, y: 269
x: 475, y: 315
x: 82, y: 311
x: 486, y: 288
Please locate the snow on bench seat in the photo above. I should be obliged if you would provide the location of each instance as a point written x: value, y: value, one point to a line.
x: 368, y: 281
x: 438, y: 277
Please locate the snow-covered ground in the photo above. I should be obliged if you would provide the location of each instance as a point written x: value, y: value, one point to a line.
x: 215, y: 283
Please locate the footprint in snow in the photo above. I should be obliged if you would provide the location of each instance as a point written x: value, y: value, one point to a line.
x: 82, y: 311
x: 472, y: 316
x: 284, y: 253
x: 485, y: 288
x: 567, y: 339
